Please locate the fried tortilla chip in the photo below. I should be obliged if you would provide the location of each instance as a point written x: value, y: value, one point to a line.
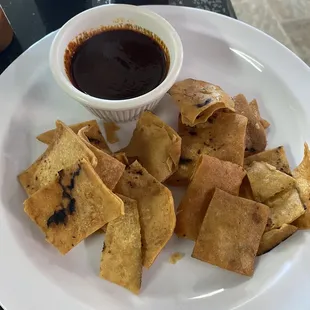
x: 246, y: 189
x: 211, y: 173
x: 155, y: 145
x: 221, y: 137
x: 156, y: 209
x: 231, y: 232
x: 274, y: 237
x: 302, y: 176
x: 266, y: 181
x: 255, y: 109
x: 198, y: 100
x: 285, y: 207
x: 110, y: 131
x: 274, y: 157
x: 121, y: 259
x: 109, y: 169
x: 73, y: 206
x: 121, y: 156
x: 256, y: 140
x: 96, y: 138
x: 94, y: 135
x: 65, y: 150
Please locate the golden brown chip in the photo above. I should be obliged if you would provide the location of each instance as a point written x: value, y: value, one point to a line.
x: 302, y: 176
x: 285, y: 207
x: 275, y: 157
x: 156, y: 209
x: 231, y: 232
x: 109, y: 169
x: 198, y: 100
x: 121, y: 259
x: 65, y: 150
x: 48, y: 136
x: 266, y: 181
x: 255, y: 109
x: 221, y: 137
x: 246, y: 189
x: 210, y: 173
x: 96, y: 138
x: 121, y: 156
x: 255, y: 136
x: 110, y: 131
x: 155, y: 145
x: 264, y: 123
x: 94, y: 135
x: 274, y: 237
x: 73, y: 206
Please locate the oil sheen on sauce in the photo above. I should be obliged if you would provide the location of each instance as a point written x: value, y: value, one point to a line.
x: 118, y: 64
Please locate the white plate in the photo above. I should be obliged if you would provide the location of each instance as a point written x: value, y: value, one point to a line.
x: 218, y: 49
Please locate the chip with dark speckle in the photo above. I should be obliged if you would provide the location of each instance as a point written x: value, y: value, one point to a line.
x: 198, y: 100
x: 223, y: 139
x: 95, y: 205
x: 64, y: 151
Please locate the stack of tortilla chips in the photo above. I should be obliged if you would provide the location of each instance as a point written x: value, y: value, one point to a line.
x: 241, y: 200
x: 77, y: 187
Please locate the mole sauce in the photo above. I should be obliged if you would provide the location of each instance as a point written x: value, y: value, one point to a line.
x: 118, y: 64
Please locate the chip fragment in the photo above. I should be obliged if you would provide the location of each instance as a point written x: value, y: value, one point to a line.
x: 110, y: 131
x: 231, y: 232
x: 65, y: 150
x: 156, y: 209
x: 198, y: 100
x: 274, y: 237
x: 93, y: 134
x: 246, y: 189
x: 221, y: 137
x: 275, y: 157
x: 266, y: 181
x: 121, y: 258
x: 256, y: 140
x: 302, y: 176
x: 73, y: 206
x: 210, y: 173
x: 255, y: 109
x: 155, y: 145
x: 285, y: 207
x: 108, y: 168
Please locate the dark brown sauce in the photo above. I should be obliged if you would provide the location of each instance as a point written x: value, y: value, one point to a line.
x: 118, y: 64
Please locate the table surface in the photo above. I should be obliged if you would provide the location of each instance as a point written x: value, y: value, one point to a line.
x: 33, y: 19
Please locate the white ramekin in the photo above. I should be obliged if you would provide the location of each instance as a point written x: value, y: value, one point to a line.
x: 105, y: 15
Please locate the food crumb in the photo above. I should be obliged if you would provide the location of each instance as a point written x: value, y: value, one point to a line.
x: 110, y: 131
x: 175, y: 257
